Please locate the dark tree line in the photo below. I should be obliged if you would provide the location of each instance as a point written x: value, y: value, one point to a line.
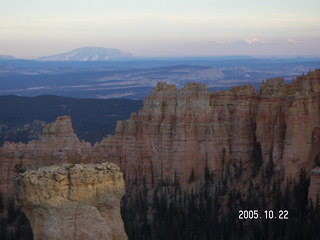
x: 207, y: 211
x: 211, y: 211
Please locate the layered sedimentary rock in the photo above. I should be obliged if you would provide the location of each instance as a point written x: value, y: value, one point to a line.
x: 184, y: 132
x: 73, y: 202
x: 181, y: 131
x: 59, y: 143
x: 58, y: 139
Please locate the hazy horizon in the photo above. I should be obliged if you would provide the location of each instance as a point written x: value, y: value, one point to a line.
x: 161, y: 29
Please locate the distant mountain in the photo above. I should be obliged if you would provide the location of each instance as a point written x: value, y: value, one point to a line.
x: 89, y: 54
x: 6, y: 57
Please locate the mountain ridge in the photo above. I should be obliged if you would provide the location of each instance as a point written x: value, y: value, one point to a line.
x: 88, y: 54
x: 6, y: 57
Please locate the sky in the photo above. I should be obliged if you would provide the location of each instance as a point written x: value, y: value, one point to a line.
x: 150, y: 28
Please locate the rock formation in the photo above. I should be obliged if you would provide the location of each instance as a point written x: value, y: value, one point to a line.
x: 180, y: 132
x: 58, y: 144
x: 58, y: 139
x: 74, y: 202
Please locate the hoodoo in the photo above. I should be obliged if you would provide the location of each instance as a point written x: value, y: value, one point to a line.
x: 75, y: 202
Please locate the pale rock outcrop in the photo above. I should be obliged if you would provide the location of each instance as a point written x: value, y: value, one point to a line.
x: 74, y: 202
x: 58, y: 144
x: 60, y: 133
x: 58, y: 139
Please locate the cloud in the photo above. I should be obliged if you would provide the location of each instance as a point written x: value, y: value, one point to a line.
x: 290, y: 40
x: 220, y: 42
x: 252, y: 41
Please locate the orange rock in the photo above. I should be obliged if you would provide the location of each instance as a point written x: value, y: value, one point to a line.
x: 181, y: 131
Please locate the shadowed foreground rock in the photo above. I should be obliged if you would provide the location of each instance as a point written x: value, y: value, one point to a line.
x: 74, y: 202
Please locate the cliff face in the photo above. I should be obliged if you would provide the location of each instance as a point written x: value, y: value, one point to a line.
x: 73, y: 201
x: 181, y: 132
x: 58, y: 144
x: 58, y: 139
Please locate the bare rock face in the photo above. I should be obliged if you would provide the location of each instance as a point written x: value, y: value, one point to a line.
x: 60, y: 132
x: 314, y: 188
x: 58, y: 144
x: 74, y: 202
x: 58, y: 139
x: 180, y: 132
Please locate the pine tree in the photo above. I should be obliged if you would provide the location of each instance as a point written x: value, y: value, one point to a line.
x: 11, y: 210
x: 191, y: 177
x: 1, y: 203
x: 257, y: 158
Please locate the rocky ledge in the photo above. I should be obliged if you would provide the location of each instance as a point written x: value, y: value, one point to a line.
x: 73, y: 201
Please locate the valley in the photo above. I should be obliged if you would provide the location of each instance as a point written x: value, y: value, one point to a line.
x: 134, y: 79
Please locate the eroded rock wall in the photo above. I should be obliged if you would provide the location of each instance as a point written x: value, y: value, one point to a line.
x: 180, y: 131
x: 183, y: 131
x: 58, y: 144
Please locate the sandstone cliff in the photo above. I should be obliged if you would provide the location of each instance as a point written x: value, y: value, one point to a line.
x: 182, y: 132
x: 73, y: 202
x: 59, y: 143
